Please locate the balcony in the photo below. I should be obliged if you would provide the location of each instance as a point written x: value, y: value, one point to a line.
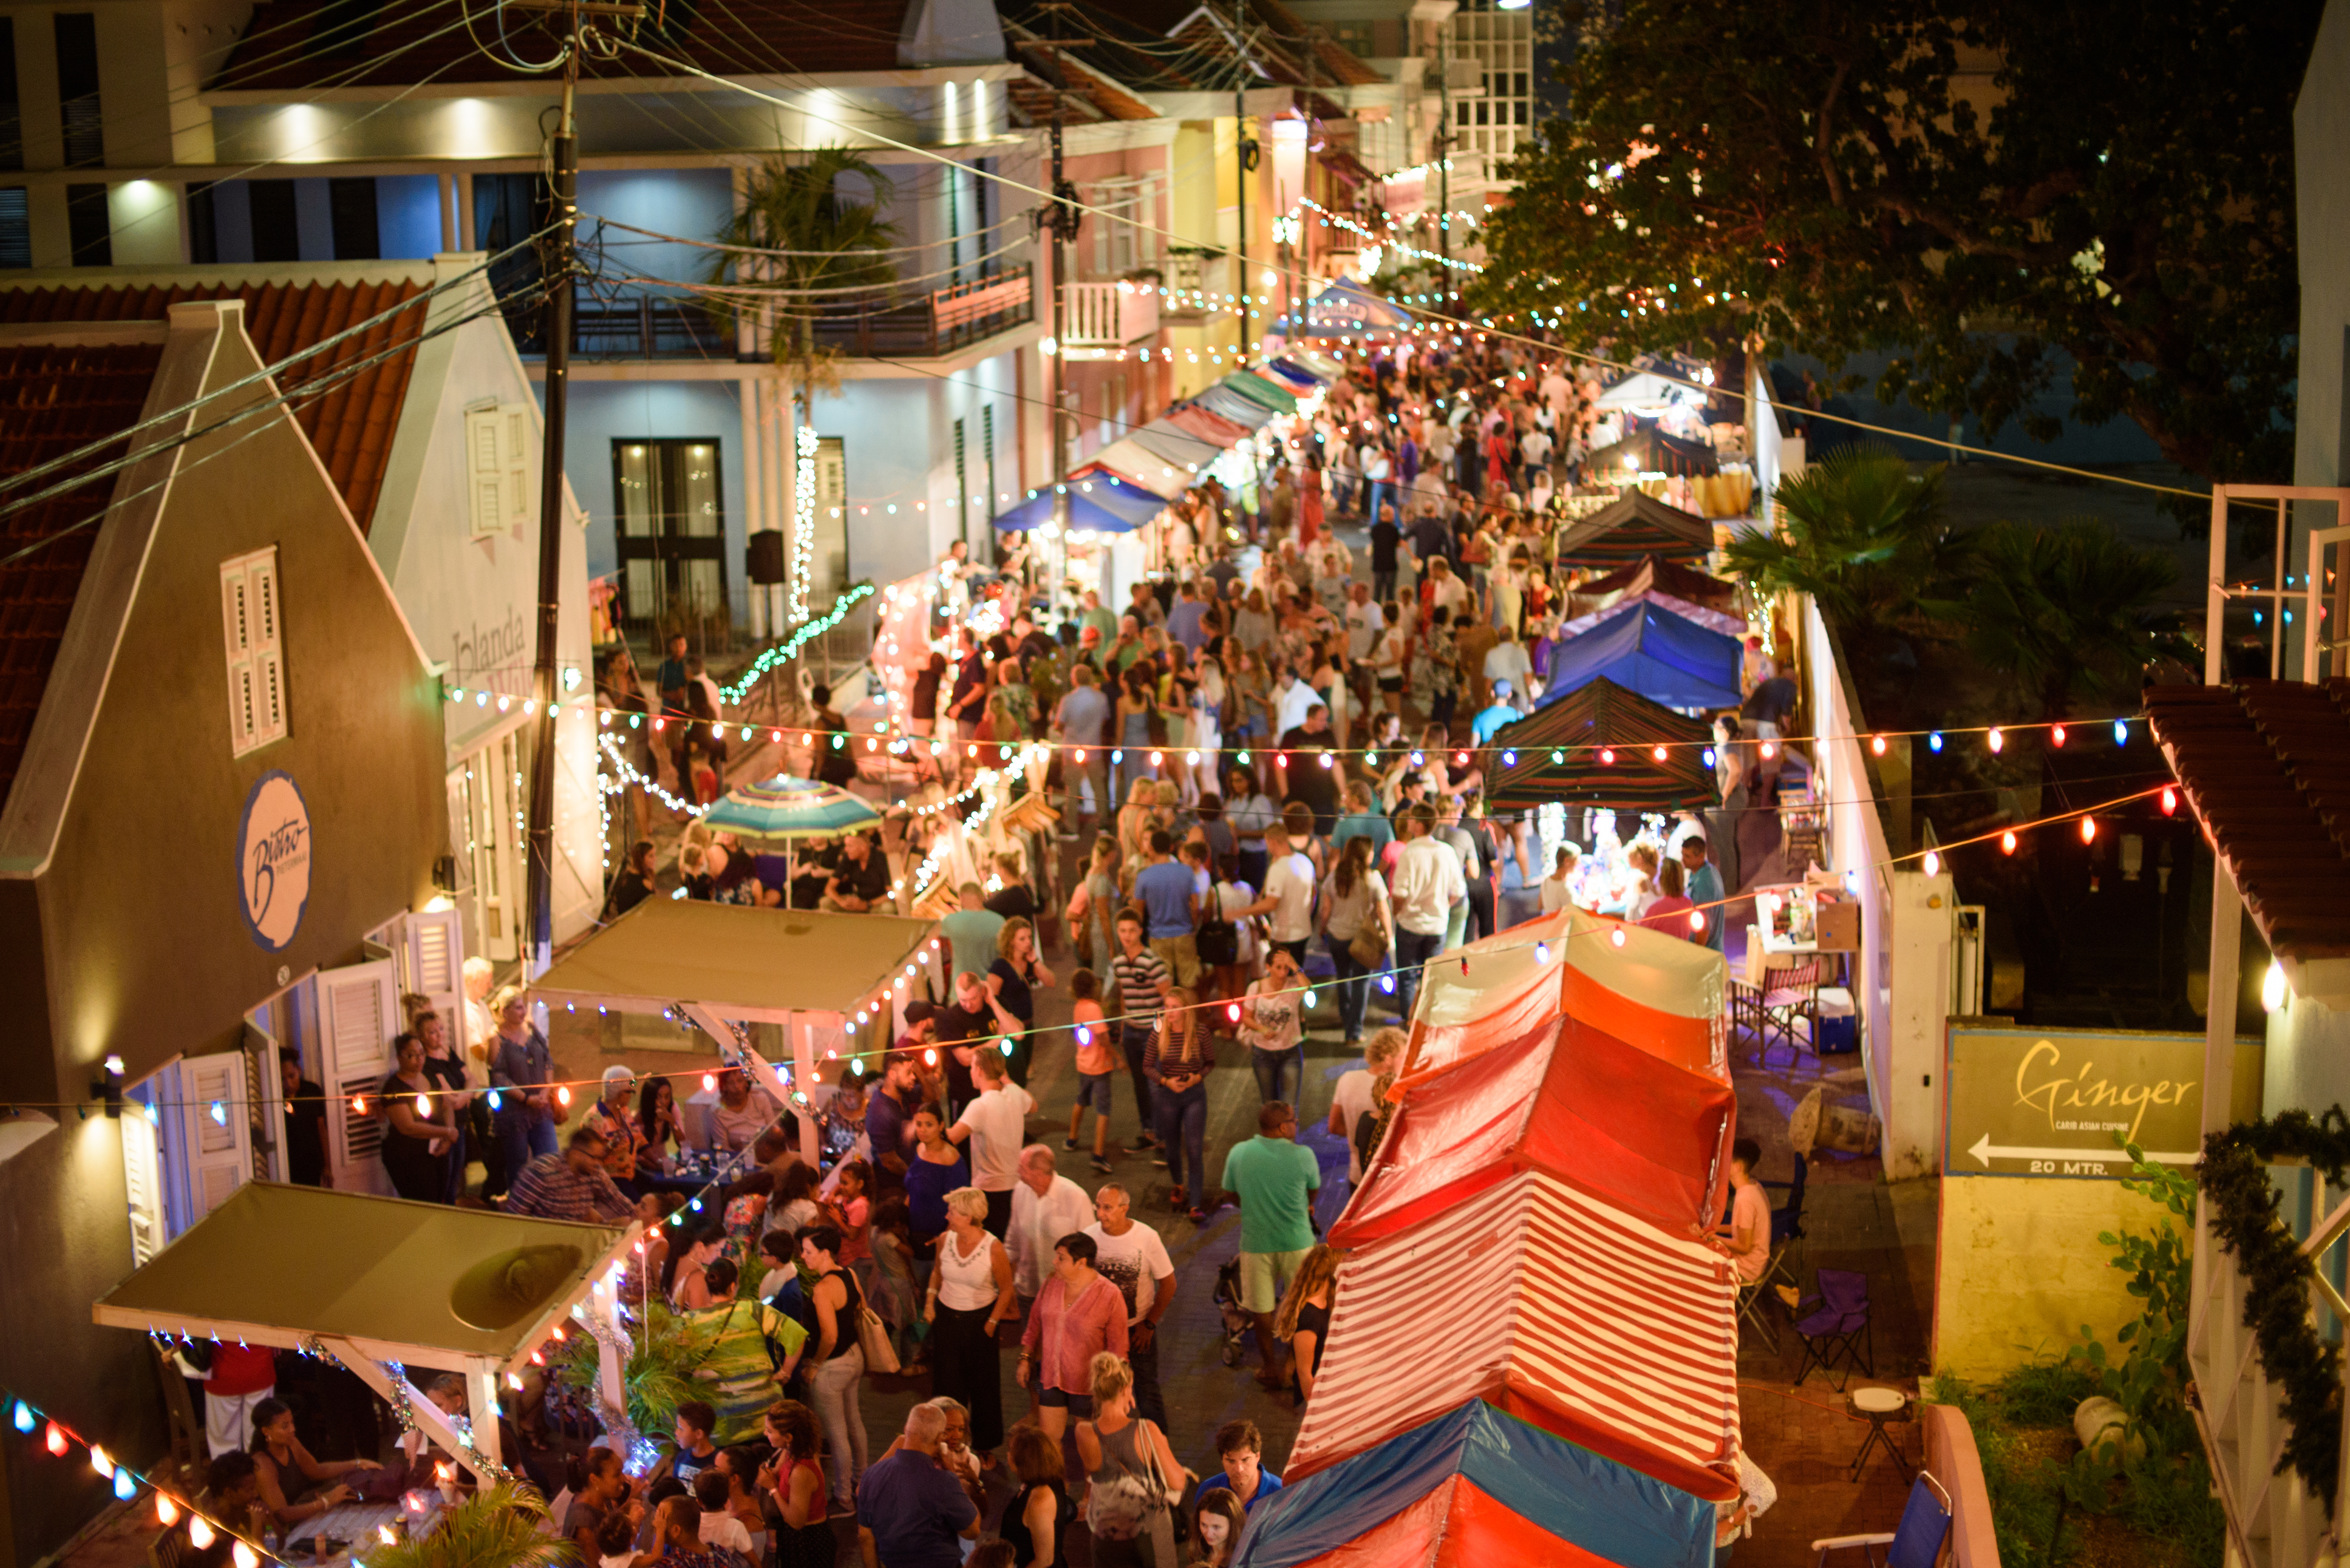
x: 1110, y: 314
x: 649, y: 326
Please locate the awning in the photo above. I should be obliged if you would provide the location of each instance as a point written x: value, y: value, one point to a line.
x: 1642, y: 649
x: 1229, y: 406
x: 1650, y: 451
x: 1475, y: 1487
x: 1654, y: 571
x: 1086, y: 511
x: 1616, y: 1122
x: 1640, y: 525
x: 1198, y: 420
x: 1145, y: 467
x: 1172, y: 446
x: 1582, y: 728
x: 1293, y: 375
x: 1599, y: 1327
x: 1712, y: 619
x: 384, y: 1283
x: 1343, y: 310
x: 763, y: 965
x: 1260, y: 390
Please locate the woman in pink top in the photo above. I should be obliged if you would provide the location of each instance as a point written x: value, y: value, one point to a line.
x: 1078, y: 1314
x: 1669, y: 912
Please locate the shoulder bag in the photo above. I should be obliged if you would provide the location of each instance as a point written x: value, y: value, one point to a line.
x: 1369, y: 948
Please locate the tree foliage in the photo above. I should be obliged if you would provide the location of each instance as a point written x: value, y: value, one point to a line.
x: 1989, y: 193
x: 802, y: 242
x: 2064, y: 612
x: 497, y: 1527
x: 1863, y: 534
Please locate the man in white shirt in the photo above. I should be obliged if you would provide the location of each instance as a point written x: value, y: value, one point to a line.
x: 1450, y: 593
x: 1429, y: 880
x: 1364, y: 621
x: 1292, y: 700
x: 1376, y: 470
x: 994, y: 1125
x: 1534, y: 447
x: 1133, y: 1258
x: 1288, y: 894
x: 1046, y: 1207
x: 1557, y: 392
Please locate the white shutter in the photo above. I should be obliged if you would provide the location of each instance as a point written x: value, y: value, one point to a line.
x: 142, y: 1178
x: 262, y: 1056
x: 498, y: 467
x: 253, y: 638
x: 217, y: 1129
x: 436, y: 963
x: 359, y: 1014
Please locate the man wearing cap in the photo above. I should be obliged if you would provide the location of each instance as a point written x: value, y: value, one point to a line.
x: 623, y: 1139
x: 1490, y: 719
x: 1082, y: 722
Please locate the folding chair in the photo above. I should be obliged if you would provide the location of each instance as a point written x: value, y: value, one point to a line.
x: 1786, y: 997
x: 1752, y: 1302
x: 1915, y: 1542
x: 1833, y: 1327
x: 1786, y: 1227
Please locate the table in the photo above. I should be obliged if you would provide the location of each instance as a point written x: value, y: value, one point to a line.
x: 359, y: 1525
x: 1877, y: 1406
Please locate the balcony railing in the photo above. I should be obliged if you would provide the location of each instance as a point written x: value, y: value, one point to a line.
x: 1110, y: 314
x: 663, y: 327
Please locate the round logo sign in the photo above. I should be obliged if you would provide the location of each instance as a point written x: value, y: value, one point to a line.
x: 273, y: 860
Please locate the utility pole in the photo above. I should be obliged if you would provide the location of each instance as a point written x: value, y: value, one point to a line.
x: 1061, y: 219
x: 560, y: 264
x: 1245, y: 151
x: 1444, y: 166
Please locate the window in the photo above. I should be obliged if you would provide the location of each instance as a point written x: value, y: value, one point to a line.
x: 673, y: 533
x: 78, y: 105
x: 277, y: 231
x: 507, y: 209
x: 16, y: 228
x: 963, y: 484
x: 828, y: 568
x: 257, y: 656
x: 87, y: 229
x: 12, y: 126
x: 498, y: 468
x: 351, y: 203
x: 987, y: 449
x: 1119, y: 246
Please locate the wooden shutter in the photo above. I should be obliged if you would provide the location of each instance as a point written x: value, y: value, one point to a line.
x: 436, y: 963
x: 142, y: 1178
x: 253, y: 636
x: 359, y: 1014
x: 499, y: 467
x: 217, y: 1129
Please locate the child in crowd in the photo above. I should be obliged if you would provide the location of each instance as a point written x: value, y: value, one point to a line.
x: 1097, y: 1060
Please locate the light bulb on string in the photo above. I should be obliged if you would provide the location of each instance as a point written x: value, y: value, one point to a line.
x: 2056, y: 735
x: 1616, y: 936
x: 2121, y: 731
x: 125, y: 1486
x: 24, y: 1417
x: 2088, y: 830
x: 1996, y: 740
x: 2170, y: 800
x: 1606, y: 756
x: 167, y: 1513
x: 424, y: 1106
x: 1932, y: 863
x: 1934, y: 741
x: 200, y: 1531
x: 2007, y: 842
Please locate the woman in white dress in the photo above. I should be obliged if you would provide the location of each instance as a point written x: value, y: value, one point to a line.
x: 1207, y: 735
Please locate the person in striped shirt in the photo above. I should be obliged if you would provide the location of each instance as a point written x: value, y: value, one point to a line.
x: 1143, y: 983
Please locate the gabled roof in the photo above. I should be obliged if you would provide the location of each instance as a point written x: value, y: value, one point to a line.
x: 1583, y: 726
x: 396, y: 46
x: 53, y: 401
x: 2265, y: 766
x: 1181, y: 45
x: 1638, y: 524
x: 348, y: 417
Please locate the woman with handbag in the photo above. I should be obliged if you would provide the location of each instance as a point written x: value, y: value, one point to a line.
x: 837, y: 1365
x: 1134, y: 1477
x: 1358, y: 927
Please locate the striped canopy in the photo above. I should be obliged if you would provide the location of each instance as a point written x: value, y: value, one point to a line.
x: 1649, y: 449
x: 1649, y: 572
x: 1595, y: 716
x: 1260, y: 390
x: 1640, y: 525
x: 788, y: 807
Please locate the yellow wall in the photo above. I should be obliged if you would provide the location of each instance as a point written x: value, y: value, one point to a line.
x: 2021, y: 1268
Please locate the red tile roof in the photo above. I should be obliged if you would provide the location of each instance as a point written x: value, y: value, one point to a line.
x: 53, y: 401
x: 350, y: 420
x: 2266, y: 766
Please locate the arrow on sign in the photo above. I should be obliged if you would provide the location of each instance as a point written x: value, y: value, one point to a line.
x: 1986, y: 1151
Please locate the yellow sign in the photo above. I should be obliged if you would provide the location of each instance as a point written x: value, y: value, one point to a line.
x: 2027, y: 1102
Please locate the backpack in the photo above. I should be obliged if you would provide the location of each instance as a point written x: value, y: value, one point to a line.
x: 1217, y: 939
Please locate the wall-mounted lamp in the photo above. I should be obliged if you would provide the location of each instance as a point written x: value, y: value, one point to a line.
x: 107, y: 1086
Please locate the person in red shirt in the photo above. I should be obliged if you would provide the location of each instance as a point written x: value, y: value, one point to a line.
x: 241, y: 1377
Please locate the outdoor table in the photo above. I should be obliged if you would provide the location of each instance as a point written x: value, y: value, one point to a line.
x: 359, y: 1525
x: 1877, y: 1406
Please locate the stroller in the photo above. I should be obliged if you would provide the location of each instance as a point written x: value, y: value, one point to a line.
x: 1237, y: 1323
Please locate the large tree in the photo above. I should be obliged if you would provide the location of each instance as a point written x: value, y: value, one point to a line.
x: 1986, y: 191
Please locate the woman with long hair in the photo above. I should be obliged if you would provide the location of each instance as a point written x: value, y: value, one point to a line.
x: 1669, y: 912
x: 1138, y: 704
x: 1271, y: 1026
x: 1036, y: 1522
x: 1355, y: 903
x: 1132, y: 1468
x: 419, y: 1127
x: 1014, y: 980
x: 936, y: 1171
x: 1093, y: 907
x: 657, y: 1119
x: 1303, y: 1319
x: 804, y: 1536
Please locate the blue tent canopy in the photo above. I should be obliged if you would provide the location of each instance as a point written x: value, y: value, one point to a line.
x: 1099, y: 511
x: 1652, y: 651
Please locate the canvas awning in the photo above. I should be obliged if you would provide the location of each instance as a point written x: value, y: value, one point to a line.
x: 1652, y: 572
x: 1650, y: 451
x: 1583, y: 727
x: 1638, y: 524
x: 1085, y: 512
x: 1601, y: 1328
x: 1712, y: 619
x: 385, y: 1283
x: 1652, y: 651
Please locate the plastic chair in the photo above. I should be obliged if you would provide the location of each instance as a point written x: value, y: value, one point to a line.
x: 1833, y: 1327
x: 1915, y: 1542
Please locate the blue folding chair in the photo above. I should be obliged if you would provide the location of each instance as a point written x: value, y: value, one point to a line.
x: 1915, y: 1542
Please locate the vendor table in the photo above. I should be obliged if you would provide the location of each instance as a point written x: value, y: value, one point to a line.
x: 359, y: 1525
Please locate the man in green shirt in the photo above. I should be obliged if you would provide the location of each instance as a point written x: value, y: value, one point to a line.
x: 1274, y: 1178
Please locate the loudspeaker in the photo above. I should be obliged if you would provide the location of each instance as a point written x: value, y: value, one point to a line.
x: 763, y: 556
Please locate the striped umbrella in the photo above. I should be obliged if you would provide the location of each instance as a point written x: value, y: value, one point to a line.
x: 788, y: 807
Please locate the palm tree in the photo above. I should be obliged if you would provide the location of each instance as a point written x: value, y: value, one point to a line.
x: 1863, y: 536
x: 2064, y: 612
x: 497, y: 1527
x: 801, y: 246
x: 659, y: 1376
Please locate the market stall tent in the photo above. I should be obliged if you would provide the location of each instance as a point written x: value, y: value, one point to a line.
x: 1583, y: 728
x: 1343, y: 310
x: 1640, y: 525
x: 1651, y: 651
x: 383, y: 1285
x: 1649, y: 449
x: 1086, y: 511
x: 721, y: 965
x: 1652, y: 572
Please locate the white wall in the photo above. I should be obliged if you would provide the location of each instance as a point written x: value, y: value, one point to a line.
x: 2321, y: 130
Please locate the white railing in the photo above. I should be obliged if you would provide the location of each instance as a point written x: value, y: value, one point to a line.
x: 1110, y: 314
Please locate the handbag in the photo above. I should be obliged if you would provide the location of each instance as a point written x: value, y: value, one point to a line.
x: 873, y: 1338
x: 1217, y: 939
x: 1369, y: 945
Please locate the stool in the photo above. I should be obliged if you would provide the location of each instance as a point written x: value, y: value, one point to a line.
x: 1876, y: 1406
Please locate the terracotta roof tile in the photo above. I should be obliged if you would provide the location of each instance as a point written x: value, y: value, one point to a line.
x: 2265, y: 765
x: 350, y: 422
x: 54, y: 400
